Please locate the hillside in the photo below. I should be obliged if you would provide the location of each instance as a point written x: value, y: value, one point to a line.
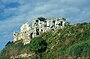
x: 73, y: 40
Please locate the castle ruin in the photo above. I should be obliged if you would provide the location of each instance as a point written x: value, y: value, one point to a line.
x: 39, y: 25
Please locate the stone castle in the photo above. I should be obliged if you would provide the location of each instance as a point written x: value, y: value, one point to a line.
x: 39, y: 25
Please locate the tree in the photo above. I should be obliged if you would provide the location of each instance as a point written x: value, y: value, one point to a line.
x: 9, y: 43
x: 4, y: 57
x: 38, y: 45
x: 41, y: 18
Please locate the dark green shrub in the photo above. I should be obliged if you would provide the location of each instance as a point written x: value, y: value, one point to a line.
x: 38, y: 45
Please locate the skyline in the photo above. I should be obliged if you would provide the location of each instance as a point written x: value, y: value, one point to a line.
x: 14, y: 13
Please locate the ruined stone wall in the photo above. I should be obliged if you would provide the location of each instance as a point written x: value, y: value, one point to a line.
x: 28, y: 32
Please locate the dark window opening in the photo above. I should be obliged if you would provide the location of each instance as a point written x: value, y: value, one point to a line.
x: 52, y: 26
x: 31, y: 35
x: 45, y: 21
x: 36, y: 20
x: 61, y: 23
x: 53, y: 29
x: 54, y: 23
x: 37, y: 31
x: 36, y: 23
x: 41, y: 30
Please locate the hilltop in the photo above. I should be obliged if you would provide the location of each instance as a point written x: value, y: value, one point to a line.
x: 72, y: 40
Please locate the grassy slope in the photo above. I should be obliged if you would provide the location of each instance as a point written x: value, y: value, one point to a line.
x: 73, y: 40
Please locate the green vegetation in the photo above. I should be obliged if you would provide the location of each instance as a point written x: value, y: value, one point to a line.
x: 38, y: 45
x: 41, y: 18
x: 73, y: 40
x: 14, y: 49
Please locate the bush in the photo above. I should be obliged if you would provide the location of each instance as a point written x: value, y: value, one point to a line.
x: 38, y: 45
x: 4, y: 57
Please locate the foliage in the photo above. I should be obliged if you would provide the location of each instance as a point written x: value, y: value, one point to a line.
x: 21, y: 58
x: 41, y: 18
x: 14, y: 49
x: 73, y: 40
x: 38, y: 45
x: 4, y: 57
x: 9, y: 43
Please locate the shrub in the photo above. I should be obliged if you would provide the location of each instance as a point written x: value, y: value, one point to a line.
x: 38, y: 45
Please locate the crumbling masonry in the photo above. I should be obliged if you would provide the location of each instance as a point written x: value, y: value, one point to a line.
x: 39, y: 25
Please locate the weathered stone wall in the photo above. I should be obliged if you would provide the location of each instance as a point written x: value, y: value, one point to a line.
x: 28, y: 32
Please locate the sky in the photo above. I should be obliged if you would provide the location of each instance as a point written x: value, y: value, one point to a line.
x: 13, y: 13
